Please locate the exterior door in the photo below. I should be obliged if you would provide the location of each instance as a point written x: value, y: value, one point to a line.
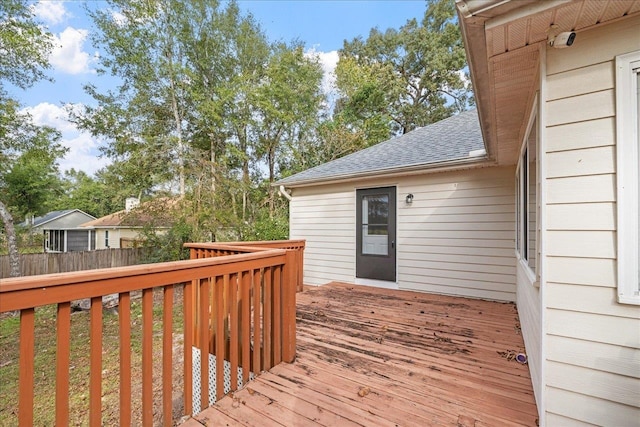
x: 376, y: 233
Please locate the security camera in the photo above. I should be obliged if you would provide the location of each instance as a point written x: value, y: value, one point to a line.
x: 562, y: 40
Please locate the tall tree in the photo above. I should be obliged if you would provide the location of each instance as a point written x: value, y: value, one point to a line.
x: 143, y: 119
x: 406, y: 78
x: 31, y: 183
x: 25, y: 48
x: 288, y: 103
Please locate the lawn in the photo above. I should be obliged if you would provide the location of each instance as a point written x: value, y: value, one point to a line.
x: 45, y: 362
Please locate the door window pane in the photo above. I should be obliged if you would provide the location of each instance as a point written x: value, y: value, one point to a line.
x: 375, y: 224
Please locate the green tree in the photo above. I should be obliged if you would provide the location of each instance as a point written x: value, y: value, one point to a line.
x: 84, y: 192
x: 402, y: 79
x: 25, y: 48
x: 31, y: 183
x: 204, y: 97
x: 143, y: 119
x: 24, y: 44
x: 287, y: 107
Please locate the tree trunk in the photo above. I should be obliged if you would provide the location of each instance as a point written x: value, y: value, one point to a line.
x: 14, y: 255
x: 272, y: 167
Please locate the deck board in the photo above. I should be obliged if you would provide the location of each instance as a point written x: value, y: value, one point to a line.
x: 379, y: 357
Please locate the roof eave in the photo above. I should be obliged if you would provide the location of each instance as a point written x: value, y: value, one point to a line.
x: 450, y: 165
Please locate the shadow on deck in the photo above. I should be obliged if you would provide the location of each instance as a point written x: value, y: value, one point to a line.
x: 377, y: 357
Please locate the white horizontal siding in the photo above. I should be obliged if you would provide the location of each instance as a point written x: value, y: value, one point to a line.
x: 616, y: 388
x: 581, y: 135
x: 582, y: 216
x: 457, y: 237
x: 582, y: 271
x: 582, y: 189
x: 593, y: 342
x: 594, y: 355
x: 588, y: 409
x: 325, y: 218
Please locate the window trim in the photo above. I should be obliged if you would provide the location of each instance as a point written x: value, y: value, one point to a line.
x: 627, y: 141
x: 522, y: 212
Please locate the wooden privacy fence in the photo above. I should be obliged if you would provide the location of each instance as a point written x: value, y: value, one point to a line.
x: 49, y: 263
x: 242, y: 307
x: 206, y: 250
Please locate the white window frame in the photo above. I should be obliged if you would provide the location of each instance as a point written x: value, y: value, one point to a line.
x: 106, y: 239
x: 523, y: 258
x: 627, y: 141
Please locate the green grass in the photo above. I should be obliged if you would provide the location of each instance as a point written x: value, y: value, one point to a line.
x: 45, y: 363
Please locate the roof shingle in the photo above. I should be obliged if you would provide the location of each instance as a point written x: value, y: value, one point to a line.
x: 447, y: 140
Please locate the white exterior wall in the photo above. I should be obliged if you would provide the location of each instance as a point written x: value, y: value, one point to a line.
x: 457, y: 237
x: 326, y: 217
x: 115, y: 234
x: 592, y: 363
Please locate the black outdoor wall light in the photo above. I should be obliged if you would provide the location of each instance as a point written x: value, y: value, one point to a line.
x: 409, y: 198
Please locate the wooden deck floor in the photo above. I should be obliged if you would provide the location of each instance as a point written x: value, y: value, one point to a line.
x: 375, y: 357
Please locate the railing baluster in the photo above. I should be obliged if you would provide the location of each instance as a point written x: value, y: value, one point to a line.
x: 167, y: 356
x: 257, y: 334
x: 188, y: 301
x: 25, y: 405
x: 147, y: 356
x: 277, y: 314
x: 213, y: 323
x: 245, y: 316
x: 124, y: 327
x: 233, y: 345
x: 204, y: 342
x: 289, y: 309
x: 95, y: 379
x: 62, y: 363
x: 218, y: 300
x: 267, y: 315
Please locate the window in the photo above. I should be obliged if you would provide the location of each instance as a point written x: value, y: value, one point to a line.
x: 54, y: 240
x: 106, y: 238
x: 375, y: 224
x: 628, y: 163
x: 527, y: 199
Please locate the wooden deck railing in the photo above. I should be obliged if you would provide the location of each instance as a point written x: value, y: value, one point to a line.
x: 246, y: 300
x: 206, y: 250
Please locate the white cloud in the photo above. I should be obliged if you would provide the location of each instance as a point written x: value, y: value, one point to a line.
x: 83, y: 148
x: 51, y: 12
x: 328, y: 61
x: 67, y: 55
x: 46, y: 114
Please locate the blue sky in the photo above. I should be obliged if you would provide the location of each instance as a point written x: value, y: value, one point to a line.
x: 322, y: 25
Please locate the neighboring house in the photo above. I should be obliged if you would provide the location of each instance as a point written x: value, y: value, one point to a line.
x: 62, y: 231
x: 548, y: 217
x: 123, y: 229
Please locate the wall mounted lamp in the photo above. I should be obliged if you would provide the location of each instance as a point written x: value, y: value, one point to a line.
x: 409, y: 199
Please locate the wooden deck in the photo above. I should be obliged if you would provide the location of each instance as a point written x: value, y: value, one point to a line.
x: 376, y: 357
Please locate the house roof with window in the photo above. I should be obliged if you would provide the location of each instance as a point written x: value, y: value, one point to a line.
x: 457, y: 139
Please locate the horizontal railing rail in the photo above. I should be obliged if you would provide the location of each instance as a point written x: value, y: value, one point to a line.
x: 206, y: 250
x: 239, y: 308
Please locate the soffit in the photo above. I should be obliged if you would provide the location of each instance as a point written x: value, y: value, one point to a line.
x: 503, y: 47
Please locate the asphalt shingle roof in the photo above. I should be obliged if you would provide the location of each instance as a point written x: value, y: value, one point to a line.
x: 50, y: 216
x: 447, y: 140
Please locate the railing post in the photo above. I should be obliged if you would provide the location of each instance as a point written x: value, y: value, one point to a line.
x: 289, y: 278
x: 188, y: 328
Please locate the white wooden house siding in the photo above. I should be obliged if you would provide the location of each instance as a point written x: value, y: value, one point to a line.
x: 115, y: 234
x: 592, y: 365
x: 457, y: 237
